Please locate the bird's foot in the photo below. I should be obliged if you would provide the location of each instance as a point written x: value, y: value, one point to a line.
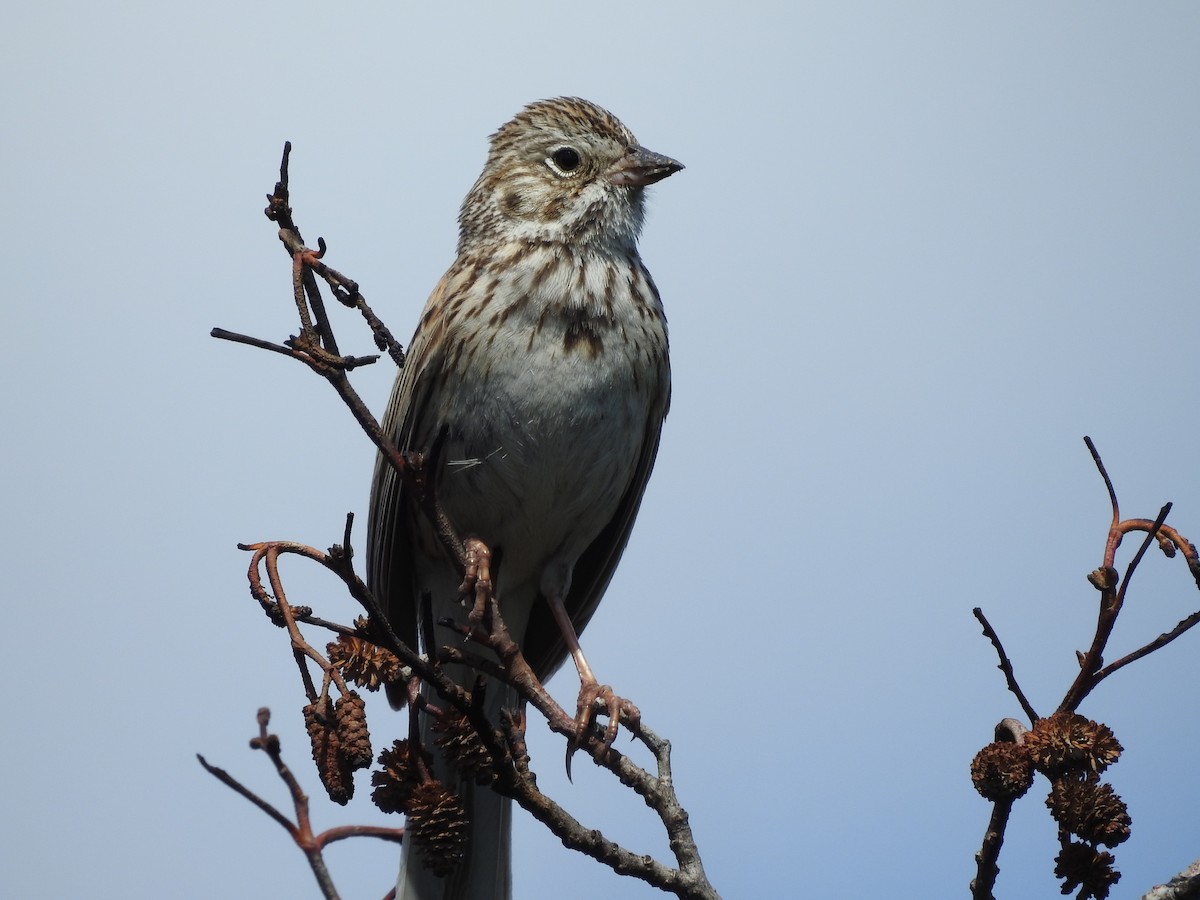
x: 597, y: 699
x: 477, y: 581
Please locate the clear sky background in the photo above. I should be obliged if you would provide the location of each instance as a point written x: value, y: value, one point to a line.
x: 919, y: 250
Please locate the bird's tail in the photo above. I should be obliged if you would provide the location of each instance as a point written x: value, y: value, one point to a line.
x: 485, y: 872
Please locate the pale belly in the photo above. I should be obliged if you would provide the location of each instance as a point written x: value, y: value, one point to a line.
x: 540, y: 464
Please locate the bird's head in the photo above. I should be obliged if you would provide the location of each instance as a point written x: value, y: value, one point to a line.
x: 562, y: 170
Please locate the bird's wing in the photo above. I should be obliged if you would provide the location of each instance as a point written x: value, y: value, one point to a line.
x: 391, y: 517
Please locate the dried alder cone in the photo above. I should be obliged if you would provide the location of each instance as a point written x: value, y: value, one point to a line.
x: 460, y: 743
x: 399, y: 775
x: 1066, y: 742
x: 1002, y: 770
x: 364, y: 663
x: 332, y: 765
x: 1082, y: 866
x: 351, y: 714
x: 437, y: 822
x: 340, y: 743
x: 1089, y: 810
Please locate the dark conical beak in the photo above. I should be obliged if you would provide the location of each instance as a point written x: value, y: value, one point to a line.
x: 640, y: 167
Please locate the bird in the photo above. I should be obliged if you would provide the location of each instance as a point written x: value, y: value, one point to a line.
x: 540, y: 367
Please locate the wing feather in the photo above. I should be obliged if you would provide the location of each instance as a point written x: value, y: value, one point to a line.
x: 391, y: 515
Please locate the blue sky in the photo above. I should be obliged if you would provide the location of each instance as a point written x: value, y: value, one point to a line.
x: 917, y: 253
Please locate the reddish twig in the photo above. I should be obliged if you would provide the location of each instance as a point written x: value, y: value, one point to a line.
x: 339, y: 561
x: 1112, y: 600
x: 300, y: 831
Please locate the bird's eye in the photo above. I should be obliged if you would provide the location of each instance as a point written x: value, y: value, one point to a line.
x: 565, y: 159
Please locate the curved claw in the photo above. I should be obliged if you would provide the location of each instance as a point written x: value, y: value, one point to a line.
x: 595, y: 699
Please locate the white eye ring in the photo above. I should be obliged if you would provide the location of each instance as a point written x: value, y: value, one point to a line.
x: 564, y: 160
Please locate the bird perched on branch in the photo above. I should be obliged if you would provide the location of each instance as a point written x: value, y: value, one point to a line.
x: 540, y: 367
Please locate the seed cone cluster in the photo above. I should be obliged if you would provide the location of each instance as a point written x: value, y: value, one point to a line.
x: 437, y: 819
x: 340, y: 744
x: 1071, y: 751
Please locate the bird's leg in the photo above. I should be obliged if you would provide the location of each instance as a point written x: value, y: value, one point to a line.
x: 590, y: 689
x: 563, y: 620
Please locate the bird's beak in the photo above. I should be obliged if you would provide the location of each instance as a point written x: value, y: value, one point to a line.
x: 640, y: 167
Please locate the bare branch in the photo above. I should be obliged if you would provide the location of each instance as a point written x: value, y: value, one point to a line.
x: 1161, y: 641
x: 986, y: 860
x: 301, y: 830
x: 1005, y: 665
x: 1184, y: 886
x: 1111, y: 602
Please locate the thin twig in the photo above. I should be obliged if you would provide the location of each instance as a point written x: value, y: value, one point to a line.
x: 1161, y: 641
x: 1112, y: 494
x: 1005, y: 665
x: 342, y: 832
x: 301, y: 830
x: 229, y: 781
x: 225, y: 335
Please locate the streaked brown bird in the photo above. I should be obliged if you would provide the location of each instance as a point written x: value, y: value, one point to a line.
x: 541, y: 358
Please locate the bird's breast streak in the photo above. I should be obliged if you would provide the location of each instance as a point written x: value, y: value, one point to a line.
x: 515, y: 486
